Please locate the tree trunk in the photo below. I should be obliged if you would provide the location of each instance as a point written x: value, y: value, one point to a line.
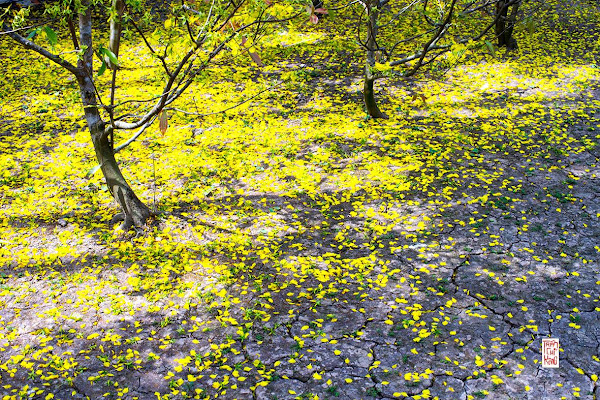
x: 511, y: 42
x: 368, y: 91
x: 505, y: 24
x: 501, y: 14
x: 369, y: 97
x: 135, y: 213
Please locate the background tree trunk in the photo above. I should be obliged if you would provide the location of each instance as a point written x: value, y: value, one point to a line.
x: 368, y: 91
x: 511, y: 42
x: 501, y: 14
x: 505, y: 23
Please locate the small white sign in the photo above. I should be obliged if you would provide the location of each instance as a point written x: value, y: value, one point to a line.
x: 550, y: 353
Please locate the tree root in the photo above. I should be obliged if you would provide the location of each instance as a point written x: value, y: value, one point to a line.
x: 126, y: 225
x: 118, y: 217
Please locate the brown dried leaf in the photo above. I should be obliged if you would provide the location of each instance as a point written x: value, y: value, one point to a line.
x: 256, y: 58
x: 163, y: 122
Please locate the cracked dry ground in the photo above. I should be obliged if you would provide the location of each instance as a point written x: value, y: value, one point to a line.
x: 370, y: 294
x: 428, y: 260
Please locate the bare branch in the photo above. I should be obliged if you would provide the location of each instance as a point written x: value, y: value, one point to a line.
x: 134, y: 136
x: 73, y: 33
x: 28, y: 44
x: 434, y: 39
x: 169, y: 95
x: 23, y: 28
x: 408, y: 40
x: 228, y: 108
x: 343, y: 7
x: 146, y: 125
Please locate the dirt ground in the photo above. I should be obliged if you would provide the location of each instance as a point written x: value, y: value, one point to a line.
x: 429, y: 261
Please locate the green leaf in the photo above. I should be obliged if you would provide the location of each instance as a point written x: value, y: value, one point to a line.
x: 100, y: 53
x: 491, y: 47
x: 33, y: 33
x: 102, y: 68
x: 111, y: 56
x: 92, y: 171
x: 531, y: 26
x: 51, y: 35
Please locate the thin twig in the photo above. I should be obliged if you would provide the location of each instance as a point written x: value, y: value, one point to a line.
x: 25, y: 27
x: 226, y: 109
x: 134, y: 137
x: 153, y: 181
x: 149, y: 46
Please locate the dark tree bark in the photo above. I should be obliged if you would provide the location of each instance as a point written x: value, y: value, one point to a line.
x: 505, y: 22
x: 369, y: 97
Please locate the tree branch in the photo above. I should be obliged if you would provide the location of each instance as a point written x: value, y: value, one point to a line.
x: 169, y: 95
x: 134, y: 136
x: 28, y: 44
x: 24, y: 28
x: 433, y: 40
x: 149, y: 46
x: 228, y: 108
